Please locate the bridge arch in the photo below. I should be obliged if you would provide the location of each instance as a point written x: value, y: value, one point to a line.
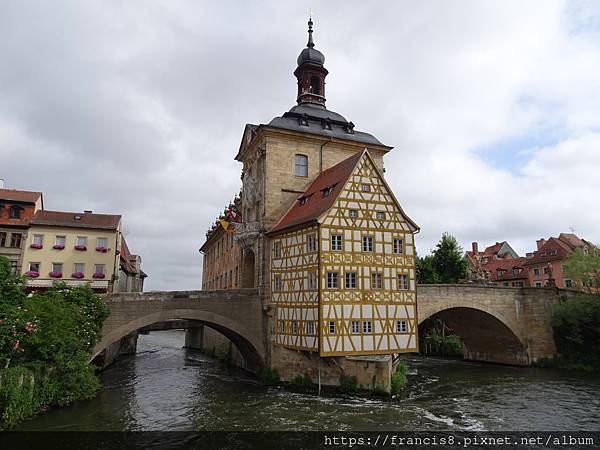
x: 486, y: 334
x: 245, y: 341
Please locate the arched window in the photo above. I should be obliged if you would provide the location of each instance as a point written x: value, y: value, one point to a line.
x: 315, y: 85
x: 301, y: 166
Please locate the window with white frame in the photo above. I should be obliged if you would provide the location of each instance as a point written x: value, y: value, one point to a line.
x: 277, y: 283
x: 282, y: 326
x: 79, y: 268
x: 81, y: 241
x: 401, y: 326
x: 60, y: 240
x: 367, y: 326
x: 398, y: 246
x: 353, y: 213
x: 331, y: 327
x: 34, y: 267
x: 276, y: 249
x: 403, y: 283
x: 336, y: 242
x: 333, y: 280
x: 367, y: 243
x: 538, y: 284
x: 568, y: 283
x: 380, y: 215
x: 312, y: 280
x: 99, y: 268
x: 536, y: 271
x: 517, y: 284
x: 38, y: 239
x: 101, y: 242
x: 294, y: 327
x: 310, y: 328
x: 57, y: 267
x: 350, y: 280
x: 301, y: 165
x: 366, y: 187
x: 376, y: 280
x: 355, y: 327
x: 311, y: 243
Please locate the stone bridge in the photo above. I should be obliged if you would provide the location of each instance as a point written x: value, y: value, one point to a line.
x: 237, y: 314
x: 497, y: 324
x: 502, y: 325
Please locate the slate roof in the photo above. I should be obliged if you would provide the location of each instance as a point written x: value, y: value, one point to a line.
x: 315, y: 203
x: 315, y: 119
x: 77, y: 220
x: 19, y: 196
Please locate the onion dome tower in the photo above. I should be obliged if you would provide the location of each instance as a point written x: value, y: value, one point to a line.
x: 311, y: 73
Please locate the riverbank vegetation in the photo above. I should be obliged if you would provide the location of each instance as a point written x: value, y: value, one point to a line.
x: 576, y: 326
x: 45, y: 342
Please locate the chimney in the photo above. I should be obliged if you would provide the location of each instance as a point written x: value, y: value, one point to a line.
x: 540, y: 243
x: 475, y: 248
x: 529, y: 255
x: 87, y: 212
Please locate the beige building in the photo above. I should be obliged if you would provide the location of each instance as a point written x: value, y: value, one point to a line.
x: 77, y: 248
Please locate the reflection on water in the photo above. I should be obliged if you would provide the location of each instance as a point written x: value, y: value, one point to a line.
x: 165, y: 387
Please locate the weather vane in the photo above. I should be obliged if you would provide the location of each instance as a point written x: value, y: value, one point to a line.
x: 311, y: 13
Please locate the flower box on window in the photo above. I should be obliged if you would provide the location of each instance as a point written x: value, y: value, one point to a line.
x: 81, y: 248
x: 58, y: 246
x: 101, y: 249
x: 99, y: 275
x: 32, y: 274
x: 55, y: 274
x: 36, y: 246
x: 77, y: 275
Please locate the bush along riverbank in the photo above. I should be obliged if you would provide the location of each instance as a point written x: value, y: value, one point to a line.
x: 576, y: 327
x: 45, y: 343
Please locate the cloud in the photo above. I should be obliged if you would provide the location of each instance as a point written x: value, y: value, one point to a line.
x: 492, y: 108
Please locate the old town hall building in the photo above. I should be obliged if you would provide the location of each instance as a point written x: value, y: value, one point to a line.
x: 318, y: 230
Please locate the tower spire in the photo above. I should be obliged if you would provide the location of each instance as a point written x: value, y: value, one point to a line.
x: 310, y: 44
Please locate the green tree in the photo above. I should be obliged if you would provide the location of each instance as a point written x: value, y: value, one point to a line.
x: 584, y: 268
x: 426, y: 273
x: 448, y: 262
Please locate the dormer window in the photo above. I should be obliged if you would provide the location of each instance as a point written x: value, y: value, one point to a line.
x: 15, y: 212
x: 327, y: 124
x: 303, y: 121
x: 301, y: 165
x: 305, y: 198
x: 350, y: 128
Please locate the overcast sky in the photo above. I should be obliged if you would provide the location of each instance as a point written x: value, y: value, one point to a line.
x: 138, y: 107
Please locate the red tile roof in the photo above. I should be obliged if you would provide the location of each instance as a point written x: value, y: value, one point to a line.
x: 19, y: 196
x: 315, y: 203
x: 77, y: 220
x: 544, y: 254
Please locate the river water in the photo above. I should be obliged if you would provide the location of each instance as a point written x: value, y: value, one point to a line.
x: 166, y: 387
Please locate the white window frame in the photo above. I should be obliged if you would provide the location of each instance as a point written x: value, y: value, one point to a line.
x: 353, y: 213
x: 39, y: 265
x: 367, y: 327
x: 376, y: 281
x: 37, y: 239
x: 276, y: 250
x: 398, y: 246
x: 365, y: 187
x: 55, y: 264
x: 401, y: 326
x: 301, y: 165
x: 102, y: 239
x: 277, y: 283
x: 60, y: 239
x: 311, y: 243
x: 78, y: 264
x: 403, y: 282
x: 350, y: 280
x: 380, y: 215
x: 81, y: 239
x: 568, y: 283
x: 331, y: 327
x: 100, y: 271
x: 310, y: 328
x: 337, y: 242
x: 312, y: 280
x: 355, y: 327
x: 333, y: 280
x: 367, y: 244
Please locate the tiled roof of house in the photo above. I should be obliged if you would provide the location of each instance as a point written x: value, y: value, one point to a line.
x: 552, y: 250
x: 312, y: 203
x: 77, y: 220
x: 19, y: 196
